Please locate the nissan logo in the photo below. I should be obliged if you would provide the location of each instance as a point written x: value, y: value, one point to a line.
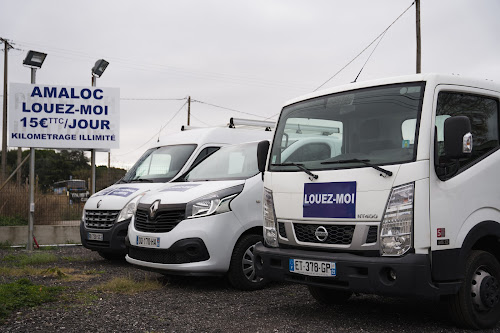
x: 321, y: 234
x: 153, y: 208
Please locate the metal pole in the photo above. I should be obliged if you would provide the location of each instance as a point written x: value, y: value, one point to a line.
x: 4, y: 124
x: 92, y: 157
x: 189, y: 109
x: 29, y: 245
x: 419, y: 45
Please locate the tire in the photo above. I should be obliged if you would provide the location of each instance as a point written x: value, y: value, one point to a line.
x: 328, y: 296
x: 111, y: 256
x: 241, y: 274
x: 477, y: 303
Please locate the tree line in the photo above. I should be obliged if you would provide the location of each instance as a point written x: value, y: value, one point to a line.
x: 52, y: 166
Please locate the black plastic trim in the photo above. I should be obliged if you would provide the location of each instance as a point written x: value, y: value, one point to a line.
x: 113, y: 238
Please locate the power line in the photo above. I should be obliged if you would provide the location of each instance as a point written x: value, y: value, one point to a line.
x: 156, y: 134
x: 383, y: 32
x: 225, y: 108
x: 369, y: 57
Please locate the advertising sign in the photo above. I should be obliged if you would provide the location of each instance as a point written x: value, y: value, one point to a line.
x: 330, y: 200
x: 60, y: 117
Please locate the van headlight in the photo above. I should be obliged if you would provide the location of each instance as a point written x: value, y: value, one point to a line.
x: 129, y: 210
x: 213, y: 203
x: 270, y: 233
x: 397, y: 225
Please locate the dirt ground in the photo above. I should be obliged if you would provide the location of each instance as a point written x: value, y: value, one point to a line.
x: 202, y: 304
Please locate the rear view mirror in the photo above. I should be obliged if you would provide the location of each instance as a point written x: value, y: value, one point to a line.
x: 262, y: 150
x: 457, y: 137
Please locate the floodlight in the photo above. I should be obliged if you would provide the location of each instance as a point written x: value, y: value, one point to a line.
x: 34, y: 59
x: 99, y: 67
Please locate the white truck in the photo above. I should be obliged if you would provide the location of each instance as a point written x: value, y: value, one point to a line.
x: 107, y: 213
x: 409, y: 206
x: 206, y: 222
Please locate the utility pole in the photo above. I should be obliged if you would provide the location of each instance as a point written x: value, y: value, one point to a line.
x: 419, y: 50
x: 189, y: 109
x: 7, y: 45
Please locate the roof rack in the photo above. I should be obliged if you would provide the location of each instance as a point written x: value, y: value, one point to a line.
x: 233, y: 122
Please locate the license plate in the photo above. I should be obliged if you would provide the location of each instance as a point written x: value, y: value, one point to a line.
x: 312, y: 268
x: 147, y: 241
x: 94, y: 236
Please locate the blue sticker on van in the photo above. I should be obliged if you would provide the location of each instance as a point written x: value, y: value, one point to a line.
x: 180, y: 188
x: 330, y: 200
x: 118, y: 191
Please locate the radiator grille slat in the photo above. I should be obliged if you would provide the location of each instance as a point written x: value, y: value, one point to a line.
x: 337, y: 234
x: 164, y: 221
x: 100, y: 219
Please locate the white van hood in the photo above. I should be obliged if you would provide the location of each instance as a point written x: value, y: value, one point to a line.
x: 115, y: 197
x: 180, y: 193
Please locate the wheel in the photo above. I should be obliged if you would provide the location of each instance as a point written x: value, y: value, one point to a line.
x: 241, y: 274
x: 111, y: 256
x: 476, y: 305
x: 328, y: 296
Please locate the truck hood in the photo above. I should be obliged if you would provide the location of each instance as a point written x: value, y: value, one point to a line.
x: 117, y: 196
x: 358, y: 194
x: 181, y: 193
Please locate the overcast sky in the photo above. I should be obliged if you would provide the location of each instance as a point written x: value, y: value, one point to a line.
x: 249, y: 56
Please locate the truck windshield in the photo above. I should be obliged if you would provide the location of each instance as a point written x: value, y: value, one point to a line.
x: 159, y: 164
x: 228, y: 163
x: 376, y: 126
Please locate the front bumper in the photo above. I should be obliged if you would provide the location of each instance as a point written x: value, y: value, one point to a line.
x: 113, y: 239
x: 359, y: 274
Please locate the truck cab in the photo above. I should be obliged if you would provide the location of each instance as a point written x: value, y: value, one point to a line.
x: 407, y: 206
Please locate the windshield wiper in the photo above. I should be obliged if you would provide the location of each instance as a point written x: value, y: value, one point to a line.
x: 365, y: 162
x: 142, y: 180
x: 312, y: 176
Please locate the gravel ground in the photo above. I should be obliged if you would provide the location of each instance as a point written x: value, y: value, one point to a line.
x: 206, y: 305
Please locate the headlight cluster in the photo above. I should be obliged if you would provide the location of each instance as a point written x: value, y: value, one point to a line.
x: 129, y: 210
x: 214, y: 203
x: 397, y: 225
x: 270, y: 233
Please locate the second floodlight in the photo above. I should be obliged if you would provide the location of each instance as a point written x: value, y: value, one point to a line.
x: 99, y: 67
x: 34, y: 59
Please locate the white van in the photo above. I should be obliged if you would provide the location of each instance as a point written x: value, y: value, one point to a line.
x: 410, y: 204
x: 107, y: 213
x: 207, y: 222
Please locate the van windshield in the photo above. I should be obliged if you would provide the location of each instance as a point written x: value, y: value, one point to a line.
x: 159, y: 164
x: 228, y: 163
x: 349, y: 129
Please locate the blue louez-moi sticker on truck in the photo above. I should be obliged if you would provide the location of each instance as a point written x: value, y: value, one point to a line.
x: 330, y: 200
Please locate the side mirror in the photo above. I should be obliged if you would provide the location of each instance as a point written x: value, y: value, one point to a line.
x: 457, y: 137
x: 262, y: 150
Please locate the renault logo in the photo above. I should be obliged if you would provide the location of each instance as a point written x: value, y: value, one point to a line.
x: 153, y: 208
x: 321, y: 234
x: 99, y: 203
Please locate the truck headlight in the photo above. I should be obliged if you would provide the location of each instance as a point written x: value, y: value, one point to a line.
x: 214, y: 203
x: 270, y: 233
x: 397, y: 225
x: 129, y: 210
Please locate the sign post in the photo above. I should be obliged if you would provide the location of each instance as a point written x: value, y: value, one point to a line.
x: 60, y: 117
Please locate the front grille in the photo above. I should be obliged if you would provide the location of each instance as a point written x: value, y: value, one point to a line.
x: 281, y: 229
x: 337, y: 234
x: 164, y: 220
x: 100, y: 219
x: 372, y: 234
x: 163, y: 256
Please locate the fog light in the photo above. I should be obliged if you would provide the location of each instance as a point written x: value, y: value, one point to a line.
x: 392, y: 275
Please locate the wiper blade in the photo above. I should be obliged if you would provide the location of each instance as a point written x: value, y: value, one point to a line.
x: 142, y: 180
x: 365, y: 162
x: 312, y: 176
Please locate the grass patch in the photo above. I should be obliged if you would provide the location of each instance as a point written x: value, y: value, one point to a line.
x: 23, y: 293
x: 32, y: 259
x: 9, y: 221
x: 124, y: 285
x: 69, y: 258
x: 5, y: 245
